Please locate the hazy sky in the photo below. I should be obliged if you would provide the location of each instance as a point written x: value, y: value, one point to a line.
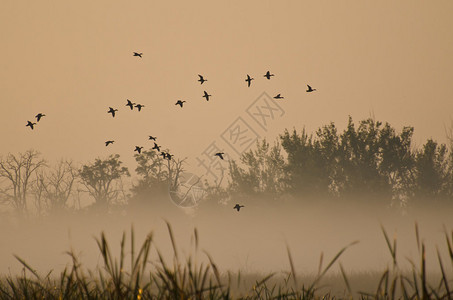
x: 72, y: 60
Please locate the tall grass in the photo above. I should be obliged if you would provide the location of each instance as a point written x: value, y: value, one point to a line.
x: 396, y: 284
x: 141, y: 275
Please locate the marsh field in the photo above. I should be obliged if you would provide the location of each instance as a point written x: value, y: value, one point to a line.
x: 260, y: 253
x: 207, y: 149
x: 362, y: 214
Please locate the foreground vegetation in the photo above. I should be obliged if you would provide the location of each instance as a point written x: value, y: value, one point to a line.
x: 137, y: 274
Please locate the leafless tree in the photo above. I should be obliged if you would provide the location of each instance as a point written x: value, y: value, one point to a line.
x: 174, y: 168
x: 16, y: 176
x: 449, y: 134
x: 55, y: 187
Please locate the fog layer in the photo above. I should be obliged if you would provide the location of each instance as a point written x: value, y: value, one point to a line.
x: 252, y: 240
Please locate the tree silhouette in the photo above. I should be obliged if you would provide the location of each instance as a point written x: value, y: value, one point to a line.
x: 359, y: 161
x: 432, y: 180
x: 54, y: 187
x: 311, y: 161
x: 16, y: 172
x: 397, y: 161
x: 158, y: 176
x: 152, y: 169
x: 102, y: 179
x: 262, y: 172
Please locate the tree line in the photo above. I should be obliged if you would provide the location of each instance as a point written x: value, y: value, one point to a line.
x: 370, y: 162
x: 28, y: 184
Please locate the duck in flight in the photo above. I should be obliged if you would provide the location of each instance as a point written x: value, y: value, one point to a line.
x: 268, y: 75
x: 130, y: 104
x: 153, y: 138
x: 139, y: 106
x: 138, y: 54
x: 169, y: 156
x: 138, y: 149
x: 112, y: 111
x: 201, y: 80
x: 219, y: 154
x: 206, y: 95
x: 30, y: 124
x: 279, y: 97
x: 238, y: 207
x: 163, y: 154
x: 180, y: 103
x: 249, y: 80
x: 39, y: 116
x: 310, y: 89
x: 156, y: 147
x: 108, y: 143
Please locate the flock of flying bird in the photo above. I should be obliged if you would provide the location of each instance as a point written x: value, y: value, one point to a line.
x: 131, y: 105
x: 38, y: 118
x: 166, y: 155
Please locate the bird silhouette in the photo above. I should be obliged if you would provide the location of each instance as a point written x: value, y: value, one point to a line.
x: 238, y: 207
x: 156, y: 147
x: 201, y: 80
x: 279, y: 97
x: 310, y: 89
x: 163, y: 154
x: 169, y: 156
x: 249, y: 80
x: 138, y: 54
x: 180, y: 103
x: 206, y: 95
x: 139, y: 106
x: 108, y: 143
x: 130, y: 104
x: 39, y: 116
x: 138, y: 149
x: 152, y: 137
x: 30, y: 124
x: 219, y: 154
x: 112, y: 111
x: 268, y: 75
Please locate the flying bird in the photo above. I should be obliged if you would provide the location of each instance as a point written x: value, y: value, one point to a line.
x: 130, y: 104
x: 310, y: 89
x: 279, y: 97
x: 139, y: 106
x: 108, y: 143
x: 152, y: 137
x: 30, y: 124
x: 112, y: 111
x: 138, y: 54
x: 169, y: 156
x: 201, y: 80
x: 206, y: 95
x: 219, y: 154
x: 249, y: 80
x: 156, y: 147
x: 238, y: 207
x: 138, y: 149
x: 180, y: 103
x: 268, y: 75
x: 163, y: 154
x: 39, y: 116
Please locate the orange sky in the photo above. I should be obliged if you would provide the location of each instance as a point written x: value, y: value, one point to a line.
x: 72, y: 60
